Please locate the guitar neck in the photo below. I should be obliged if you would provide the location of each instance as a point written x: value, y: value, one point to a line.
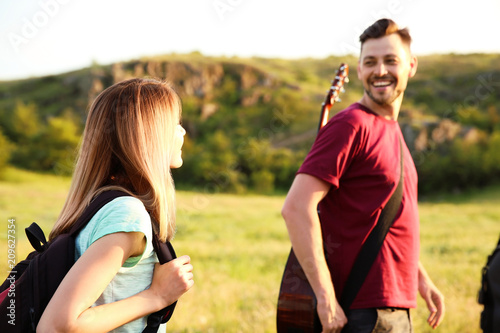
x: 325, y: 114
x: 332, y: 95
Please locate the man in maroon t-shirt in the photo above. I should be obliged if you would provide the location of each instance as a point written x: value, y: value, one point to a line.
x: 351, y: 172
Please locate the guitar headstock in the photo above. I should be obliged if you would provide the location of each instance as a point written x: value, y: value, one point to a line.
x: 337, y: 86
x: 333, y: 93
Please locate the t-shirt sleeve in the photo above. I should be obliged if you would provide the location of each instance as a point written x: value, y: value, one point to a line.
x: 123, y: 214
x: 332, y: 152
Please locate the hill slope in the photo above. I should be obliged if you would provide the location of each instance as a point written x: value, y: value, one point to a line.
x: 250, y: 121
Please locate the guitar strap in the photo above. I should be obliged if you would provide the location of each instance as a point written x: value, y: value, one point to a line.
x: 370, y: 249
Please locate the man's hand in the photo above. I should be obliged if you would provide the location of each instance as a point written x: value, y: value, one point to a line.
x: 432, y: 296
x: 332, y: 316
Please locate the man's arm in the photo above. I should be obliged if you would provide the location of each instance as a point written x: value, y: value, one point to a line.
x: 432, y: 296
x: 301, y: 217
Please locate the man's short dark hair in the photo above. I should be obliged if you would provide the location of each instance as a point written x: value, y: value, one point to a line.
x: 385, y: 27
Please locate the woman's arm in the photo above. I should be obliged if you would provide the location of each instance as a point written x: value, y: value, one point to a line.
x: 70, y: 308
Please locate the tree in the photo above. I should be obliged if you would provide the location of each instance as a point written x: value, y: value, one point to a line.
x: 5, y: 152
x: 52, y: 149
x: 213, y: 166
x: 24, y: 122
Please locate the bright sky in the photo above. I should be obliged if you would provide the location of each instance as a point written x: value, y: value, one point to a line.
x: 40, y: 37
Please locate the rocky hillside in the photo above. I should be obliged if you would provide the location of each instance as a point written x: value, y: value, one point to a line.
x: 251, y: 121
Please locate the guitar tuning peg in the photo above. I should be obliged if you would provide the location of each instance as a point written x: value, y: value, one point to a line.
x: 342, y: 90
x: 338, y: 99
x: 346, y: 79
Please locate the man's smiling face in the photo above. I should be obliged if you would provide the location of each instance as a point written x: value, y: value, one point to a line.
x: 384, y: 67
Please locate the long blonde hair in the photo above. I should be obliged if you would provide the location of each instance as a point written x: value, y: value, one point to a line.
x: 127, y: 144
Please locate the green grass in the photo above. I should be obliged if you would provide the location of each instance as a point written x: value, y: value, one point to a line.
x: 239, y: 244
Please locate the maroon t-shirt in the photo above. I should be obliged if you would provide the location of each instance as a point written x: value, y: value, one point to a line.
x: 358, y: 153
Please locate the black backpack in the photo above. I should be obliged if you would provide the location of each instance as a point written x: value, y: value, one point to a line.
x: 489, y: 294
x: 30, y: 285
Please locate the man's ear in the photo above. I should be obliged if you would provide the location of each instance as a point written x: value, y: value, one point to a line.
x: 413, y: 66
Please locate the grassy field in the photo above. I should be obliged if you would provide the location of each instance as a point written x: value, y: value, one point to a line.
x: 239, y: 245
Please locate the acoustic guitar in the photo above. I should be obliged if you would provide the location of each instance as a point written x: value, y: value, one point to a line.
x: 297, y: 302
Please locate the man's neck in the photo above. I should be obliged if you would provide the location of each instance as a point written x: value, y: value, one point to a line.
x: 388, y: 111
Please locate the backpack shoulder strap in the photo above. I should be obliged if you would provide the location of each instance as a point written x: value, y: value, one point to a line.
x: 94, y: 206
x: 165, y: 253
x: 36, y: 235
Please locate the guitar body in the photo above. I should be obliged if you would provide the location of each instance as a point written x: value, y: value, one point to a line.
x: 296, y: 302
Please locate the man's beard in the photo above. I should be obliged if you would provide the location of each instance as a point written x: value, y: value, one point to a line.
x: 384, y: 100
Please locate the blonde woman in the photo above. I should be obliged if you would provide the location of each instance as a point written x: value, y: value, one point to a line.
x: 132, y: 139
